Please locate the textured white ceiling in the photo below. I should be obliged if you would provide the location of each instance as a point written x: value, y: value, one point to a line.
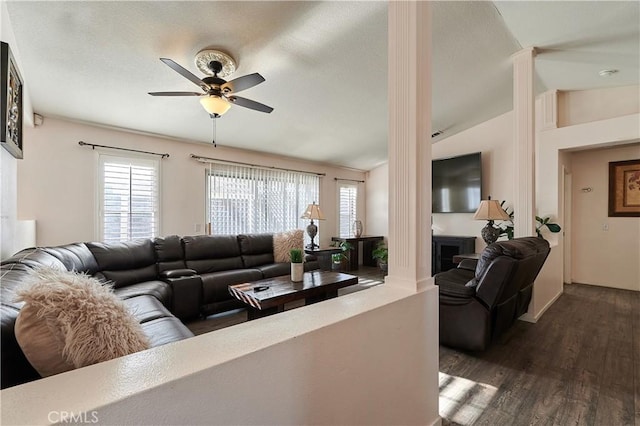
x: 325, y: 65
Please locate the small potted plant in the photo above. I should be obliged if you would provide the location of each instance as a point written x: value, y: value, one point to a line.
x: 340, y: 261
x: 297, y: 267
x: 381, y: 254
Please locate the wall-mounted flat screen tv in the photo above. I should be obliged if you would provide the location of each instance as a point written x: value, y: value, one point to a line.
x: 457, y: 184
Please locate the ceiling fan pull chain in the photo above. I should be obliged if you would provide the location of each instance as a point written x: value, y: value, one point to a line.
x: 213, y: 120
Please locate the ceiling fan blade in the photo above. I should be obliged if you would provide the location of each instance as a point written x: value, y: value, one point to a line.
x: 175, y: 94
x: 242, y: 83
x: 248, y: 103
x: 185, y: 73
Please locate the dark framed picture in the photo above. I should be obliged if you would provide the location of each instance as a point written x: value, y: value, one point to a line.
x: 624, y: 188
x: 11, y: 102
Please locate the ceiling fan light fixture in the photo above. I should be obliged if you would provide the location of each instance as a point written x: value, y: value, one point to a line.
x: 215, y: 105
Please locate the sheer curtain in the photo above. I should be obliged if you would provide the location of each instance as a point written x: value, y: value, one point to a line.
x: 245, y: 199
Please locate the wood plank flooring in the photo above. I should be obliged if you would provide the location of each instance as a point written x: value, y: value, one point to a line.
x: 578, y: 365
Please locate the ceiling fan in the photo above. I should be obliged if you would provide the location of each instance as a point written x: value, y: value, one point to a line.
x: 218, y: 94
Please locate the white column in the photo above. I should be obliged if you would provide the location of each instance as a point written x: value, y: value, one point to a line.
x: 409, y: 90
x: 523, y: 138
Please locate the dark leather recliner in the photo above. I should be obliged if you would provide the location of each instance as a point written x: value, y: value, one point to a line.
x: 481, y: 299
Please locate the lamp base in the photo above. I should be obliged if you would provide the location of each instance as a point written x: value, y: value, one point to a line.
x: 312, y: 231
x: 490, y: 233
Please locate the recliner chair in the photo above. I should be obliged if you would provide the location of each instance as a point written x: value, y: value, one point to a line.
x: 479, y: 300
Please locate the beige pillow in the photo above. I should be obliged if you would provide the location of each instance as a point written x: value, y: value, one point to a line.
x: 71, y: 320
x: 283, y: 242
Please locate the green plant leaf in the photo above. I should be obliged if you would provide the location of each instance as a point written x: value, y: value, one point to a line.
x: 554, y: 227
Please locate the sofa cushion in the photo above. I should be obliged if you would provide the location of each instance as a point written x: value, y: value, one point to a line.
x: 158, y: 289
x: 126, y: 262
x: 283, y: 242
x: 71, y: 320
x: 169, y: 253
x: 212, y: 253
x: 75, y: 257
x: 34, y: 258
x: 146, y: 308
x: 274, y: 269
x: 165, y: 330
x: 256, y: 249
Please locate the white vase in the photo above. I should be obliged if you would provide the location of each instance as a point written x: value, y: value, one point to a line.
x: 297, y: 270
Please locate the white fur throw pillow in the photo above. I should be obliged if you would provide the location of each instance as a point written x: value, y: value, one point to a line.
x: 71, y: 320
x: 283, y: 242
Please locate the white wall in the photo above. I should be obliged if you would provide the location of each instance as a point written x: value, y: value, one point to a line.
x: 494, y: 139
x: 365, y: 358
x: 8, y: 202
x: 57, y: 180
x: 9, y: 241
x: 378, y: 201
x: 592, y: 245
x: 585, y: 106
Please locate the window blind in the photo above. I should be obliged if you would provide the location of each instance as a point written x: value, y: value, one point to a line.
x: 347, y: 206
x: 254, y: 200
x: 128, y: 198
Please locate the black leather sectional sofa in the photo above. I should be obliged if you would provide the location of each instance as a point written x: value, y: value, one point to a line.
x: 162, y: 281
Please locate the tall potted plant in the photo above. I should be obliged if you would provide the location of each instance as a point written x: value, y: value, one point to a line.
x: 297, y: 267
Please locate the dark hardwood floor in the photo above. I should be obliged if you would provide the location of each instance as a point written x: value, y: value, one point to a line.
x: 578, y: 365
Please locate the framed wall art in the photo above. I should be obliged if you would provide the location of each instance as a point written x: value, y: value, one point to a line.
x: 11, y: 102
x: 624, y: 188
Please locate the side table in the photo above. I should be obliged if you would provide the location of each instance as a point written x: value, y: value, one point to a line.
x: 324, y: 256
x: 369, y: 244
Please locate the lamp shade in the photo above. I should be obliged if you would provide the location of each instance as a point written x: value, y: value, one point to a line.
x: 490, y: 210
x: 313, y: 212
x: 215, y: 105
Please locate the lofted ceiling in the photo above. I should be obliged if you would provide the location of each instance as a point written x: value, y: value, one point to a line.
x: 325, y: 65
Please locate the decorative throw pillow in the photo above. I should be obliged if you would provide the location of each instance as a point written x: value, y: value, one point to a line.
x: 285, y: 241
x: 71, y: 320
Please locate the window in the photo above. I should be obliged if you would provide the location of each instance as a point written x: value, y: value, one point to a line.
x: 128, y: 196
x: 347, y: 209
x: 242, y: 199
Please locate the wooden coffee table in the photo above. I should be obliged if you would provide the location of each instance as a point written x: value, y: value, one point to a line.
x: 315, y: 287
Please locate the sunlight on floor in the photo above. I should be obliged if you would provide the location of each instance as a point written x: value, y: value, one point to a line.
x: 462, y: 401
x: 368, y: 282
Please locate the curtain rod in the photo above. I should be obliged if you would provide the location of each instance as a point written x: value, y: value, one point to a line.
x: 350, y: 180
x: 93, y: 146
x: 215, y: 160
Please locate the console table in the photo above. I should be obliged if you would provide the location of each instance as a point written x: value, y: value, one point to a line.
x: 369, y: 243
x: 445, y: 247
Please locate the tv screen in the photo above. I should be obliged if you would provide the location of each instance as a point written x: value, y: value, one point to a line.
x: 457, y: 184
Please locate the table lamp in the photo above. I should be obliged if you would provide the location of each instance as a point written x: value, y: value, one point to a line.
x: 312, y: 212
x: 490, y: 210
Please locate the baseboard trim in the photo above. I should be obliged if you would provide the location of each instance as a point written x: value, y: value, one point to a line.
x: 528, y: 317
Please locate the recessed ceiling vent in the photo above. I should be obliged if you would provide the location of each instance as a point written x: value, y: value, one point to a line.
x: 607, y: 73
